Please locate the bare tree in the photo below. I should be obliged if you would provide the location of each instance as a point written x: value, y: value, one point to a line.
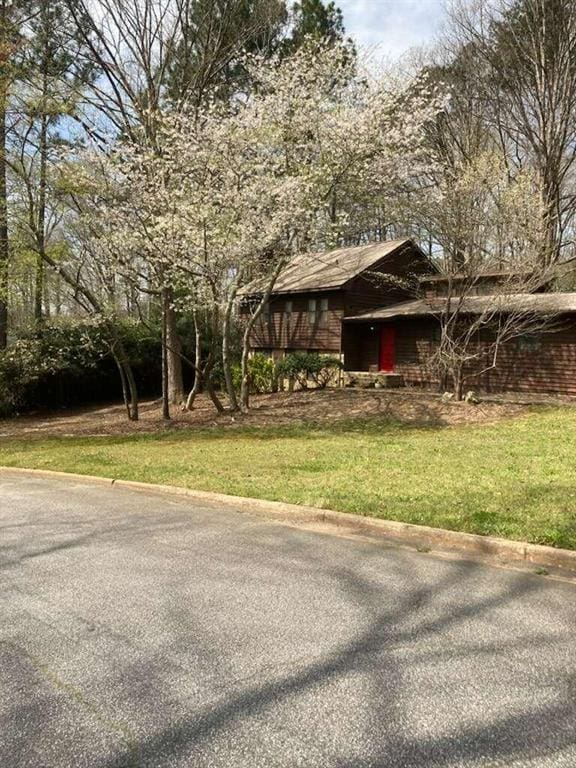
x: 483, y: 298
x: 479, y: 315
x: 526, y: 67
x: 13, y: 16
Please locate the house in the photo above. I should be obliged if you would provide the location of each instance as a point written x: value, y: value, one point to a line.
x: 315, y: 294
x: 358, y: 304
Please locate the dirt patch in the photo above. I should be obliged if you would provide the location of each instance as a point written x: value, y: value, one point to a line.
x: 328, y: 406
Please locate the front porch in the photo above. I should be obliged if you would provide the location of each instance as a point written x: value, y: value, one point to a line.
x: 369, y: 348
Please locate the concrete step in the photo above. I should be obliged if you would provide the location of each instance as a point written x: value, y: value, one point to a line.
x: 368, y: 380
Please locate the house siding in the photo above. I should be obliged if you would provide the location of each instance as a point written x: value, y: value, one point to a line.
x: 549, y: 367
x: 364, y: 292
x: 276, y: 332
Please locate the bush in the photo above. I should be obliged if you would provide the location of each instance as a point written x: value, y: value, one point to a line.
x: 19, y: 368
x: 70, y: 364
x: 262, y: 373
x: 32, y: 360
x: 303, y: 367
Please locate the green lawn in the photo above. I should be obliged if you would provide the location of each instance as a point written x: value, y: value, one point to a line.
x: 515, y: 479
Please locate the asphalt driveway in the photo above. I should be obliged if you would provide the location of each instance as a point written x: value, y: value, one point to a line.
x: 145, y: 630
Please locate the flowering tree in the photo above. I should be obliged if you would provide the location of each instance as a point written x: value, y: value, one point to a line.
x: 238, y: 188
x: 352, y: 134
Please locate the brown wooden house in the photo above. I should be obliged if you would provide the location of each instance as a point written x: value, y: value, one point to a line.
x: 315, y: 294
x: 357, y: 304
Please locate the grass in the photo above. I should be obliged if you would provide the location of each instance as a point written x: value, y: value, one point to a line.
x: 514, y: 479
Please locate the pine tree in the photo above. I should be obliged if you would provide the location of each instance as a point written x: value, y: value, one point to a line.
x: 314, y: 19
x: 53, y: 73
x: 13, y: 17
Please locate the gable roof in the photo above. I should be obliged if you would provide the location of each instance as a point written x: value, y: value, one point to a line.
x: 331, y: 270
x: 545, y: 303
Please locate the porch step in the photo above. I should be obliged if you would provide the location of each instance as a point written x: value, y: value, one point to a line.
x: 367, y: 380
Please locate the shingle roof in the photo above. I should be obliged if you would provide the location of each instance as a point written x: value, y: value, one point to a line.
x: 445, y: 278
x: 329, y: 270
x: 546, y: 303
x: 554, y: 270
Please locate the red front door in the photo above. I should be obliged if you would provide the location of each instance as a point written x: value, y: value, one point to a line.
x: 387, y: 348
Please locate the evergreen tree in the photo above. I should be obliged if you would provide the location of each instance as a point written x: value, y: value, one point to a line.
x: 314, y: 19
x: 207, y: 59
x: 53, y: 73
x: 13, y: 17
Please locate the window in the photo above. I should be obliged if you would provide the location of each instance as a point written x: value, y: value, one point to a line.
x: 530, y: 342
x: 312, y: 311
x: 323, y: 319
x: 288, y: 314
x: 265, y: 315
x: 318, y: 311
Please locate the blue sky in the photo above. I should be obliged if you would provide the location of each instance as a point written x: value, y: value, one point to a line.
x: 394, y: 26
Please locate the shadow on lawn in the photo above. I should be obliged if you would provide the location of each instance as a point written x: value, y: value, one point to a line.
x: 377, y: 426
x: 331, y: 410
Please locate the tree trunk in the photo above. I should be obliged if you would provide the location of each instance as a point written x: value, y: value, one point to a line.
x: 124, y: 383
x: 194, y: 392
x: 58, y: 296
x: 458, y: 384
x: 198, y: 377
x: 165, y: 356
x: 173, y: 352
x: 129, y: 388
x: 226, y: 361
x: 41, y: 226
x: 551, y: 237
x: 4, y: 251
x: 133, y: 414
x: 213, y: 396
x: 245, y: 388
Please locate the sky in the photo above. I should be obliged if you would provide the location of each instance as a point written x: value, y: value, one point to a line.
x: 394, y: 26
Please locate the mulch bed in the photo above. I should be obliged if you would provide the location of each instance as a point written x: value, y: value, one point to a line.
x: 416, y: 407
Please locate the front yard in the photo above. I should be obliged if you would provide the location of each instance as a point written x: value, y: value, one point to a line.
x: 510, y: 474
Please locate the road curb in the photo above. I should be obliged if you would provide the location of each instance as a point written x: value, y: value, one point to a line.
x: 420, y: 537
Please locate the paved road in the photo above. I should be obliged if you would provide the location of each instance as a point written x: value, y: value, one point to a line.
x: 141, y: 630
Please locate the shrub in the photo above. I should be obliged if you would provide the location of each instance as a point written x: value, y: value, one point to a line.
x: 70, y: 363
x: 19, y: 367
x: 262, y: 373
x: 303, y: 367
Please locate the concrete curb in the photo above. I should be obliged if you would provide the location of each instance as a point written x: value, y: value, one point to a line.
x: 419, y: 537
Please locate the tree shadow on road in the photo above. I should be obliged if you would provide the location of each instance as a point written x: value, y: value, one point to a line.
x: 400, y: 638
x: 451, y: 663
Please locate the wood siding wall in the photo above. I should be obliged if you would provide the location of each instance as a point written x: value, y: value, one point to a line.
x: 414, y: 347
x: 543, y: 365
x: 483, y: 285
x: 279, y: 330
x: 364, y: 294
x: 546, y: 365
x: 361, y: 294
